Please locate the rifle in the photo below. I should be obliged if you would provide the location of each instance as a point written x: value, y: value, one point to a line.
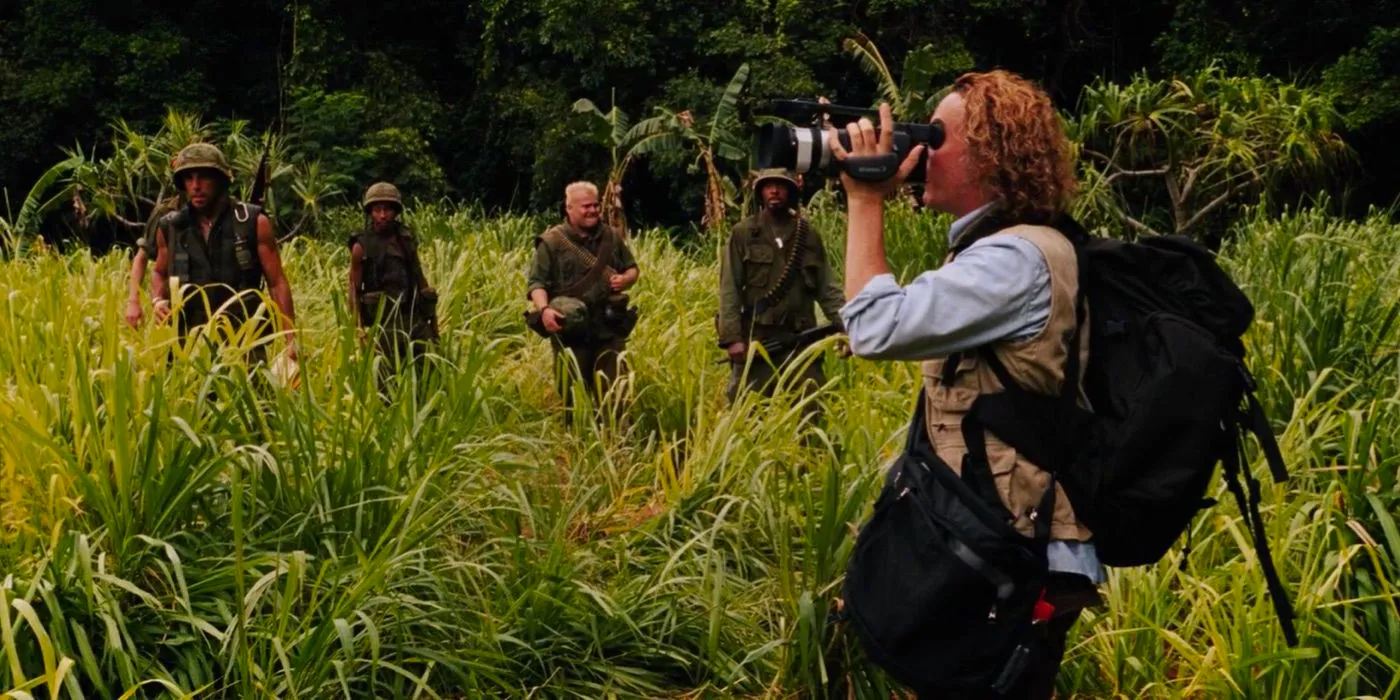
x: 260, y: 177
x: 796, y: 342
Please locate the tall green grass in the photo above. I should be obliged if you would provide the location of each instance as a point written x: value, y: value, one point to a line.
x: 174, y: 530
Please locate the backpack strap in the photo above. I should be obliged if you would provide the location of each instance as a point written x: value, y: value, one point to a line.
x: 1233, y: 459
x: 373, y: 249
x: 175, y: 225
x: 1259, y: 425
x: 918, y: 442
x: 950, y: 369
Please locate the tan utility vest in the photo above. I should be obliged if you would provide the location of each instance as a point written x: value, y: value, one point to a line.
x: 1037, y: 364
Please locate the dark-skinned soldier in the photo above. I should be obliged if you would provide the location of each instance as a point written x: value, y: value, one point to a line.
x: 773, y: 273
x: 389, y: 295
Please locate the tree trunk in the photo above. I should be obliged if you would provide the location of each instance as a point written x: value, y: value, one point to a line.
x: 714, y: 195
x: 613, y: 212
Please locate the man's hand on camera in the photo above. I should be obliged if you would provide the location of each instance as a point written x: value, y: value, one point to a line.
x: 865, y: 144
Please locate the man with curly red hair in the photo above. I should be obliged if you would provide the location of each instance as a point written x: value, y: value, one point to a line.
x: 1007, y: 292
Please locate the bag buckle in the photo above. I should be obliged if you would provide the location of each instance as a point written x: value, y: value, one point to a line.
x: 1021, y: 655
x: 1042, y: 611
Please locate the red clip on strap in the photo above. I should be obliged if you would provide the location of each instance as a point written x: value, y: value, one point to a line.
x: 1042, y: 610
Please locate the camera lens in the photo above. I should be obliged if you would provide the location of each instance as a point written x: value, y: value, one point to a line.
x: 804, y: 149
x: 800, y: 149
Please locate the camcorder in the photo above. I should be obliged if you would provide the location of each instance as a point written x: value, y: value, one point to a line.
x: 804, y: 148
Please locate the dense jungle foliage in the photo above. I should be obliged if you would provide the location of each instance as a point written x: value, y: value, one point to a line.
x: 476, y: 101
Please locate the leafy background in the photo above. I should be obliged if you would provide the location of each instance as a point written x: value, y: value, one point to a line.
x: 473, y: 101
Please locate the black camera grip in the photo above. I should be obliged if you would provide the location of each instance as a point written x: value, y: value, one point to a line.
x: 872, y: 168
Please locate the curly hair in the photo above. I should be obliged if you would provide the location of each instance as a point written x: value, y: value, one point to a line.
x: 1018, y: 144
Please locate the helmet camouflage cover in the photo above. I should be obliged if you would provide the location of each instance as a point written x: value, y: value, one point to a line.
x: 197, y: 156
x: 382, y: 192
x: 574, y: 311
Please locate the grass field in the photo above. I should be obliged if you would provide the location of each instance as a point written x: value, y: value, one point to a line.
x: 174, y: 531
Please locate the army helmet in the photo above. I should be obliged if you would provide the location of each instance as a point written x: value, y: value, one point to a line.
x: 198, y: 156
x: 783, y: 174
x: 382, y: 192
x: 575, y: 314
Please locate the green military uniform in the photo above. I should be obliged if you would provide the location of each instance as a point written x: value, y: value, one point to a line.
x: 147, y: 241
x: 596, y: 321
x: 223, y: 267
x: 759, y: 251
x: 394, y: 296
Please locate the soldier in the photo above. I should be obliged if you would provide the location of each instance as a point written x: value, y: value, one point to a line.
x: 134, y: 315
x: 580, y: 271
x: 224, y: 249
x: 774, y: 269
x: 388, y: 291
x: 145, y: 252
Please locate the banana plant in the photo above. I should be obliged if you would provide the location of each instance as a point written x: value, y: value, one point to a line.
x: 610, y: 129
x: 912, y: 96
x: 710, y: 141
x: 39, y: 201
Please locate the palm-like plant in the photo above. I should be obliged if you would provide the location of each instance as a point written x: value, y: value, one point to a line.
x: 1204, y: 141
x: 911, y: 96
x: 134, y: 181
x: 712, y: 140
x: 14, y: 232
x: 610, y: 129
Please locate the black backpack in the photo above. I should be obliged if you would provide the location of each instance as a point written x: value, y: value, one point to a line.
x: 1171, y: 399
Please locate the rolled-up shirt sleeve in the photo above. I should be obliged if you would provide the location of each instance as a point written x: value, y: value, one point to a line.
x: 996, y: 289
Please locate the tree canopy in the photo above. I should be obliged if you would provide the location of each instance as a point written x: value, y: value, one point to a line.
x: 476, y: 101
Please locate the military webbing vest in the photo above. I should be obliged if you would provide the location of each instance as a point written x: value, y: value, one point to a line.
x: 780, y: 277
x: 392, y: 270
x: 573, y: 263
x: 226, y: 264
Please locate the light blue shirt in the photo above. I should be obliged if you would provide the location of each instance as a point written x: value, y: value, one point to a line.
x: 996, y: 289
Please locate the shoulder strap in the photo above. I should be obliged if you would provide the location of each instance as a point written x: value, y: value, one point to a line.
x: 370, y: 244
x: 245, y: 227
x: 596, y: 265
x: 1234, y: 462
x: 176, y: 224
x: 794, y: 258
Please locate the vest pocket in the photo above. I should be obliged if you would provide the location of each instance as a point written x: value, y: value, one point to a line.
x: 758, y: 267
x: 1021, y: 484
x: 243, y: 254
